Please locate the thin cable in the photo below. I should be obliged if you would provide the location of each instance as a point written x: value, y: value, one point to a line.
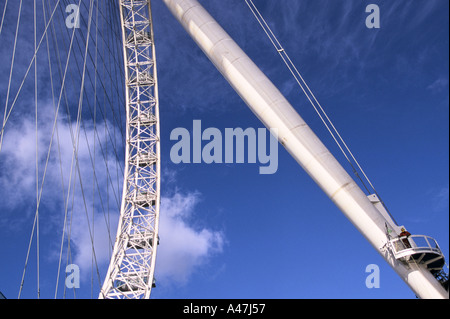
x: 10, y: 73
x: 80, y: 107
x: 68, y: 113
x: 317, y: 106
x: 55, y: 126
x: 37, y: 151
x: 6, y: 117
x: 3, y: 16
x: 62, y: 91
x: 107, y: 131
x: 302, y: 83
x: 94, y: 173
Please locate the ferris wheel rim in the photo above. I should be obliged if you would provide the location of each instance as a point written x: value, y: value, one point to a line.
x: 122, y: 280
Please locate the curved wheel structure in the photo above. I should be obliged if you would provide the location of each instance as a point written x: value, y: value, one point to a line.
x: 131, y: 270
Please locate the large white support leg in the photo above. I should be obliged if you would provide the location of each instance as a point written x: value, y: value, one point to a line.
x: 272, y: 108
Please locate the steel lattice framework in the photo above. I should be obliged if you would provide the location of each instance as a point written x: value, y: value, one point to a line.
x: 131, y: 270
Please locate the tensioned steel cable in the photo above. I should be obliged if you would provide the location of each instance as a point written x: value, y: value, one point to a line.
x: 8, y: 113
x: 3, y: 16
x: 11, y: 71
x: 98, y: 72
x: 313, y: 101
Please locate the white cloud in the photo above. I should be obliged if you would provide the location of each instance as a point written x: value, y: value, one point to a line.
x: 183, y: 249
x: 17, y: 162
x: 93, y: 204
x: 103, y: 236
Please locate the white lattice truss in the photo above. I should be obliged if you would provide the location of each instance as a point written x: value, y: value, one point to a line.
x: 131, y: 270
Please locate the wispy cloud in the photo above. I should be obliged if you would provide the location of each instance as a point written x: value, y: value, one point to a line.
x: 441, y: 84
x: 440, y: 200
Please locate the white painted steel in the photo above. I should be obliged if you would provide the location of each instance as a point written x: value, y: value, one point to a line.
x: 272, y: 108
x: 131, y: 270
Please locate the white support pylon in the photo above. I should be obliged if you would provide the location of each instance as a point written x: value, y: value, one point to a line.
x: 131, y: 270
x: 272, y: 108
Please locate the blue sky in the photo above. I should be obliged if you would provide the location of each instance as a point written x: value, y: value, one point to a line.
x: 226, y: 230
